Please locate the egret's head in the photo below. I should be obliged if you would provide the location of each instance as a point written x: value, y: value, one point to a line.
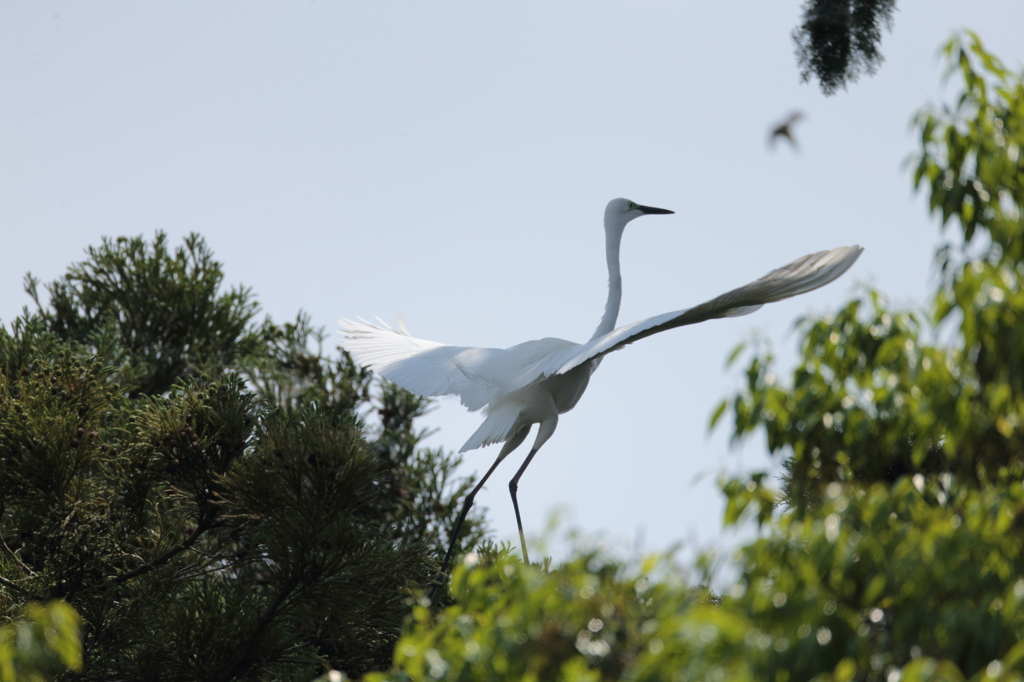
x: 621, y: 211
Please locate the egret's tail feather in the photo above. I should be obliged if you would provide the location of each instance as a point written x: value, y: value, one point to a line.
x: 496, y: 428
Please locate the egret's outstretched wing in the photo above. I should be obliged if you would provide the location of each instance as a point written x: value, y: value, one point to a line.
x: 476, y: 375
x: 377, y: 346
x: 802, y: 275
x: 423, y: 367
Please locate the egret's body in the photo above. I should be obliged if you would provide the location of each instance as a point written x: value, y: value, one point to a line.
x: 534, y: 382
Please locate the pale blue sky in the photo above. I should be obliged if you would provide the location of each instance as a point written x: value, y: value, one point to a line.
x: 451, y: 162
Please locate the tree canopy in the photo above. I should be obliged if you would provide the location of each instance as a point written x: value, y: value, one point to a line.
x: 205, y: 490
x: 838, y: 40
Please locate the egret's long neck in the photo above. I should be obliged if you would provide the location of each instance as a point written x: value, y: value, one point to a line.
x: 613, y: 238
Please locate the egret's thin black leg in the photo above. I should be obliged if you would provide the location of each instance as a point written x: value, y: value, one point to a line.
x: 513, y: 486
x: 510, y: 445
x: 458, y: 528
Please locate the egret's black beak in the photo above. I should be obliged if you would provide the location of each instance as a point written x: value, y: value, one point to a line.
x: 654, y: 211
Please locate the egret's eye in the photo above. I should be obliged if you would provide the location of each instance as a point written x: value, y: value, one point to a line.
x: 632, y: 205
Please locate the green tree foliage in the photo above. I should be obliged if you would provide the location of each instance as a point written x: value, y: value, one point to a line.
x: 874, y: 396
x: 157, y: 315
x: 895, y: 549
x: 203, y: 489
x: 902, y: 528
x: 584, y: 620
x: 884, y: 578
x: 838, y: 39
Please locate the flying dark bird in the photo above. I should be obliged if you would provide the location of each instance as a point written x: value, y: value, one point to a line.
x: 785, y: 129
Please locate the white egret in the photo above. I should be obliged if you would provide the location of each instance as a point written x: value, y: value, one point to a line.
x: 534, y: 382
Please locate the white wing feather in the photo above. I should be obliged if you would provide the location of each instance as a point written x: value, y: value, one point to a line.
x: 477, y: 375
x: 802, y: 275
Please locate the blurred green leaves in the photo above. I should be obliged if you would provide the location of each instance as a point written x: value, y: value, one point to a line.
x: 970, y: 151
x: 41, y: 644
x: 584, y: 620
x: 897, y: 541
x: 921, y: 579
x: 882, y: 575
x: 874, y: 396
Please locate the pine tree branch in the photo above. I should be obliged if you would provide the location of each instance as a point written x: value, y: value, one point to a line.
x: 216, y: 569
x: 14, y: 555
x: 162, y: 559
x: 28, y: 569
x: 244, y: 659
x: 11, y: 586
